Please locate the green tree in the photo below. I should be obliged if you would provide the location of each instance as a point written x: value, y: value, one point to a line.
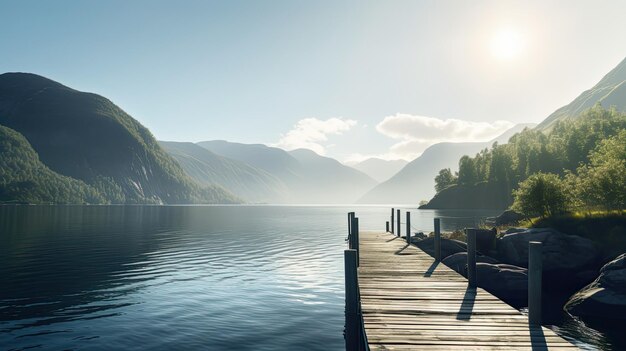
x: 444, y: 179
x: 467, y: 171
x: 602, y: 183
x: 542, y: 194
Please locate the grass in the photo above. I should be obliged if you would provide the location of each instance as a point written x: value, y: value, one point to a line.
x: 606, y: 229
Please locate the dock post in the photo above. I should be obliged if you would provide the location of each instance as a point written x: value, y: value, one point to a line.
x: 408, y: 227
x: 471, y: 256
x: 534, y: 282
x: 387, y: 227
x: 399, y: 233
x: 355, y: 236
x: 350, y: 219
x: 437, y: 239
x: 352, y: 301
x: 392, y: 220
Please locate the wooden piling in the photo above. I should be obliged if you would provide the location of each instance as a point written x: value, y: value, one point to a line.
x: 399, y: 233
x: 437, y: 239
x: 408, y: 227
x: 352, y: 301
x: 387, y: 227
x: 535, y: 252
x: 350, y: 218
x: 392, y: 220
x: 355, y: 236
x: 471, y: 256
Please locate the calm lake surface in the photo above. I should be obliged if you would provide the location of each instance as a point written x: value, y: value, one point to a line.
x: 187, y: 277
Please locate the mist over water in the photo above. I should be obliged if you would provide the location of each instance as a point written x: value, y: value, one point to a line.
x: 180, y: 277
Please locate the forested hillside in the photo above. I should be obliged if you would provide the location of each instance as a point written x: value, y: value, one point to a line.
x: 23, y: 178
x: 573, y: 147
x: 86, y: 137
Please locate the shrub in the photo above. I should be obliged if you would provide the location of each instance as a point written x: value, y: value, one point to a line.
x: 541, y: 195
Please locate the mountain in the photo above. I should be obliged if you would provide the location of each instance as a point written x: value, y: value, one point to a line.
x: 610, y: 91
x: 416, y: 181
x: 273, y: 160
x: 205, y: 167
x: 327, y: 179
x: 379, y: 169
x: 86, y: 137
x: 309, y: 177
x: 25, y: 179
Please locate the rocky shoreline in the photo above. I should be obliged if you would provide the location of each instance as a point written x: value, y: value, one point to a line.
x: 572, y: 266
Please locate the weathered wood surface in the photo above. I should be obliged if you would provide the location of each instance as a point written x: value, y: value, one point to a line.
x: 409, y: 302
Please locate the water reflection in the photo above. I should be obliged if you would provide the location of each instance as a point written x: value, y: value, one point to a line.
x: 180, y: 277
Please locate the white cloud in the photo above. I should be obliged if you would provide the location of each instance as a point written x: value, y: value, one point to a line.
x: 416, y: 133
x: 309, y: 133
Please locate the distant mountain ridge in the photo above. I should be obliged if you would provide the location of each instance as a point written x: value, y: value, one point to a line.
x: 416, y: 181
x: 379, y: 169
x: 86, y: 137
x: 250, y: 183
x: 309, y: 177
x: 326, y: 180
x: 609, y: 91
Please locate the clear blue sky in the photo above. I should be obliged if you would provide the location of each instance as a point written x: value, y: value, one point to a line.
x: 249, y: 71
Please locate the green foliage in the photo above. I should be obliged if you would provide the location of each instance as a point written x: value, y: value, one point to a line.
x: 468, y: 172
x: 542, y: 195
x: 601, y: 184
x: 23, y: 178
x: 596, y: 177
x: 444, y: 179
x: 88, y: 138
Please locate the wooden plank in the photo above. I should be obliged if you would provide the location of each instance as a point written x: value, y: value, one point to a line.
x: 410, y: 302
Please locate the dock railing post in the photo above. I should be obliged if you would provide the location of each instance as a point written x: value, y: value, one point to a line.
x: 399, y: 233
x: 408, y: 227
x: 350, y: 219
x: 471, y: 256
x: 535, y: 253
x: 355, y: 236
x: 387, y: 227
x: 437, y: 239
x: 392, y: 220
x: 352, y: 301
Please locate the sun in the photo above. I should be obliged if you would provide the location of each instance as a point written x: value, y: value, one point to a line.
x: 507, y: 44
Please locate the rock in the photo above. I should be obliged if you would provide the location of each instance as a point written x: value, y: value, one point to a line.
x: 514, y: 230
x: 565, y: 257
x: 419, y: 235
x: 508, y: 217
x: 448, y: 246
x: 486, y: 239
x: 507, y: 282
x: 458, y: 262
x: 606, y: 296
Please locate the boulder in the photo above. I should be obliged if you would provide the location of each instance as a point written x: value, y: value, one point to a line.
x: 606, y: 296
x: 458, y: 262
x: 515, y: 230
x: 486, y: 239
x: 448, y: 246
x: 507, y: 282
x: 508, y: 217
x: 569, y: 261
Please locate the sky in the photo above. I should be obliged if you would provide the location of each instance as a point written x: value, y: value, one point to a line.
x: 347, y: 79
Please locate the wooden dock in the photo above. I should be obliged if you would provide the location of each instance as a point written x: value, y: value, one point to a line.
x: 408, y: 301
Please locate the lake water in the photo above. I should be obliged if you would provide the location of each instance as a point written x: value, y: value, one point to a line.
x: 186, y: 277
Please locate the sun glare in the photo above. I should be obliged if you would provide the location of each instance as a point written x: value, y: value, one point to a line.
x: 507, y: 44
